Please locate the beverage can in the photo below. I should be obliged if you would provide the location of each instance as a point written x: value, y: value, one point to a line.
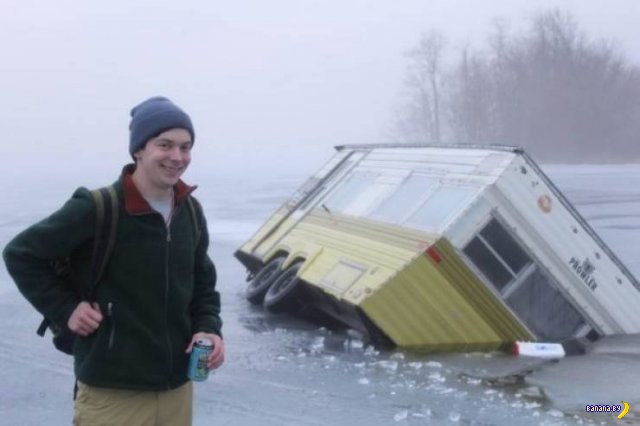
x: 198, y: 370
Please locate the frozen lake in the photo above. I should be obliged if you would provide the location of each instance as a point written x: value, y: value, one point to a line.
x: 282, y: 371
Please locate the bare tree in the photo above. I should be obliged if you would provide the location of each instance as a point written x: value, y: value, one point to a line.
x: 566, y: 93
x: 471, y: 100
x: 422, y: 119
x: 549, y: 89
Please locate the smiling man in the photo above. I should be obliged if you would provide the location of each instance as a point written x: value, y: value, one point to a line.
x: 157, y: 294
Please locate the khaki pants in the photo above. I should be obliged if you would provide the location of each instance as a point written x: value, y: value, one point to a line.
x: 118, y: 407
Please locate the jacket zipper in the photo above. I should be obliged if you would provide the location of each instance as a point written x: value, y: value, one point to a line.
x: 166, y: 301
x: 166, y: 294
x: 112, y: 323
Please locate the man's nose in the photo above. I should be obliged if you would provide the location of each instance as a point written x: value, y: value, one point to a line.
x: 176, y: 153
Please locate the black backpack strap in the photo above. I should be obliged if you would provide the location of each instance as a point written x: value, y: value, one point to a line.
x: 194, y: 208
x: 107, y: 213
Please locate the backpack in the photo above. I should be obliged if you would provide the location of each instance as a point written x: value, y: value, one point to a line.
x: 107, y: 212
x: 106, y: 202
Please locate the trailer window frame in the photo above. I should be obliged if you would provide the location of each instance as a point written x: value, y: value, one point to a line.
x: 556, y: 321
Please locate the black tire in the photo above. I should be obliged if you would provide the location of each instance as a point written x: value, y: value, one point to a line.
x: 280, y: 297
x: 266, y: 276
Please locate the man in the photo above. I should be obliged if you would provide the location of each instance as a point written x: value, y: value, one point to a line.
x: 157, y: 295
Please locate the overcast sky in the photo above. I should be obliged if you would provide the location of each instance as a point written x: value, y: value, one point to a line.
x: 256, y: 76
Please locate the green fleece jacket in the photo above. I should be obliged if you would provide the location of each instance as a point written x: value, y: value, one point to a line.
x: 158, y: 288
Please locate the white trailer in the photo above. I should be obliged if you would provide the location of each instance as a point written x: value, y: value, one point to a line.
x: 444, y: 248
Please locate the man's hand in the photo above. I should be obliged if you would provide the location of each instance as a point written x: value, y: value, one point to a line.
x: 216, y: 358
x: 85, y: 319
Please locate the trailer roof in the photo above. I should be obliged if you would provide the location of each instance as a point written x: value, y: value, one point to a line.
x: 506, y: 148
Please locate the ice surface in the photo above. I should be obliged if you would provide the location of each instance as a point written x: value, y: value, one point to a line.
x: 283, y: 371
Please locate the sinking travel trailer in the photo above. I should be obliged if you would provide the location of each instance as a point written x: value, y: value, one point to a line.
x: 454, y: 248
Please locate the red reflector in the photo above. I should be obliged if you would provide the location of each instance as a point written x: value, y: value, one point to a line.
x: 515, y: 349
x: 434, y: 254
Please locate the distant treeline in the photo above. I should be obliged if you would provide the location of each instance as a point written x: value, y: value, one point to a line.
x: 549, y: 88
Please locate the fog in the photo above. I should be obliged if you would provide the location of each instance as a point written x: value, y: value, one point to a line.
x: 258, y: 78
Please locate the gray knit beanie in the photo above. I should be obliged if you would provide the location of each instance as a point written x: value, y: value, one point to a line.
x: 154, y: 116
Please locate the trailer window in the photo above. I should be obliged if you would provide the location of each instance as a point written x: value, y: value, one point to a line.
x: 404, y: 199
x: 348, y: 191
x: 505, y: 246
x: 498, y: 256
x: 488, y: 263
x: 440, y: 206
x: 523, y: 285
x: 494, y: 246
x: 544, y: 309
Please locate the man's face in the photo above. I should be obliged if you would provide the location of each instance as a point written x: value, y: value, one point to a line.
x: 164, y: 158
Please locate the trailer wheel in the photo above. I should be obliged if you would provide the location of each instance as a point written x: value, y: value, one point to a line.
x: 281, y: 295
x: 263, y: 279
